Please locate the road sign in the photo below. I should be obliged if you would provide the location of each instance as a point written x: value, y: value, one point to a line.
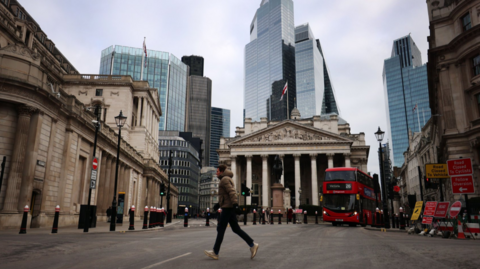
x: 462, y: 184
x: 442, y: 209
x: 455, y: 209
x: 417, y: 210
x: 95, y: 163
x: 436, y: 170
x: 460, y: 167
x: 427, y: 220
x: 93, y: 175
x: 430, y: 208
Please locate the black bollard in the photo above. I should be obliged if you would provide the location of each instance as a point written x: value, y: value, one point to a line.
x: 263, y: 216
x: 207, y: 222
x: 279, y: 217
x: 156, y: 222
x: 305, y: 221
x: 162, y: 217
x: 402, y: 219
x: 132, y: 218
x: 245, y: 217
x: 397, y: 221
x: 150, y: 220
x: 55, y: 220
x: 407, y: 221
x: 294, y: 218
x: 271, y: 217
x: 23, y: 228
x: 254, y: 217
x: 145, y: 218
x: 185, y: 219
x: 316, y: 217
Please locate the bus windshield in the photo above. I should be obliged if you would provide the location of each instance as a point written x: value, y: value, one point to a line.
x: 340, y: 176
x: 340, y: 202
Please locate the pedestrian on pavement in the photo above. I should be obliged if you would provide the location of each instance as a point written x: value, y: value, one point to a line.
x: 290, y: 214
x: 229, y: 205
x: 109, y: 214
x: 267, y: 213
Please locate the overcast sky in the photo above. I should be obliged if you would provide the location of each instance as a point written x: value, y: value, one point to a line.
x: 356, y: 37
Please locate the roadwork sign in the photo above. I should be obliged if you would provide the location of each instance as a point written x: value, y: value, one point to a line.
x: 460, y: 167
x: 455, y: 209
x: 427, y: 220
x: 462, y: 185
x: 430, y: 208
x: 436, y: 170
x: 417, y: 210
x: 442, y: 209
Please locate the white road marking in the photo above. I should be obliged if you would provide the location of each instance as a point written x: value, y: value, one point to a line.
x: 158, y: 263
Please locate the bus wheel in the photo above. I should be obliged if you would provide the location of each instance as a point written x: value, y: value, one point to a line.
x: 364, y: 223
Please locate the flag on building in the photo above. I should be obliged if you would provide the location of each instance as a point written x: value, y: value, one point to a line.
x: 414, y: 108
x: 145, y: 51
x: 284, y: 90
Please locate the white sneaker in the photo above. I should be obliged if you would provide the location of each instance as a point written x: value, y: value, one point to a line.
x: 253, y: 250
x: 211, y: 254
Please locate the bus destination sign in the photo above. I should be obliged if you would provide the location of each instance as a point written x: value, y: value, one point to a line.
x: 339, y: 186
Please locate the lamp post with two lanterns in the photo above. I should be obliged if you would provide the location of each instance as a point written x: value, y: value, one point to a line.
x: 379, y: 135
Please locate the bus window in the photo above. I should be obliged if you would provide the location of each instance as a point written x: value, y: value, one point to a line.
x: 339, y: 202
x: 340, y: 176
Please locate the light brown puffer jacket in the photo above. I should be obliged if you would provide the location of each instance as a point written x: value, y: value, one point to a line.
x: 226, y: 190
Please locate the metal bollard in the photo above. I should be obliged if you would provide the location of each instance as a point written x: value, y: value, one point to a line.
x: 397, y: 221
x: 254, y: 217
x: 55, y: 220
x: 162, y: 217
x: 279, y: 216
x: 207, y: 222
x: 145, y: 218
x: 294, y: 218
x: 150, y: 220
x: 185, y: 220
x: 402, y: 220
x: 316, y: 217
x: 305, y: 221
x: 263, y: 216
x: 271, y: 217
x: 132, y: 218
x: 23, y: 228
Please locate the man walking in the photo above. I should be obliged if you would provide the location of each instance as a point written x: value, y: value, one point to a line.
x: 229, y: 204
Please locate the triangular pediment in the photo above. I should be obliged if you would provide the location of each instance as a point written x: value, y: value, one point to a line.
x: 287, y: 132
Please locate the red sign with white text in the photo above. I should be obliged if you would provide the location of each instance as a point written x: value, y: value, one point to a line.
x: 430, y: 208
x: 460, y: 167
x: 442, y: 209
x: 427, y: 220
x: 462, y: 184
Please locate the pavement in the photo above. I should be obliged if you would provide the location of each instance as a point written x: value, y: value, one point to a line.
x: 281, y: 246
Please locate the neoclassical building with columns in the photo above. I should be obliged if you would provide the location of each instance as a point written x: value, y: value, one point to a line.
x: 306, y: 147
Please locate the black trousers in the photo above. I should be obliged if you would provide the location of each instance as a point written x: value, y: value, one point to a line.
x: 228, y: 216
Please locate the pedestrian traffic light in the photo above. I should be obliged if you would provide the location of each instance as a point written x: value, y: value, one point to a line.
x: 162, y: 189
x: 245, y: 190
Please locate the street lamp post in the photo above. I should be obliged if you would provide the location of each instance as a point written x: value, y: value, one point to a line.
x: 120, y: 121
x: 379, y: 135
x: 86, y: 225
x: 169, y: 213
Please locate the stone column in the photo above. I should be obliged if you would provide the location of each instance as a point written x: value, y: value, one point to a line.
x: 142, y: 118
x: 101, y: 183
x: 347, y: 159
x: 313, y: 158
x: 110, y: 182
x: 330, y: 159
x: 138, y: 110
x: 297, y: 179
x: 233, y: 167
x: 282, y: 178
x: 18, y: 160
x: 265, y: 186
x: 249, y: 176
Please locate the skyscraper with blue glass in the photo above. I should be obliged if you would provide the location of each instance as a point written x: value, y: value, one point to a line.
x: 162, y: 70
x: 220, y: 126
x: 269, y: 60
x: 315, y: 94
x: 406, y: 95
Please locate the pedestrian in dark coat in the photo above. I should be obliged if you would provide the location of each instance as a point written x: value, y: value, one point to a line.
x: 109, y: 214
x: 290, y: 214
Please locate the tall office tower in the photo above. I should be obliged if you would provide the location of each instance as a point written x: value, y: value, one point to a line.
x: 315, y: 95
x: 199, y: 105
x: 162, y: 70
x: 195, y: 63
x: 406, y: 95
x: 220, y: 126
x: 270, y: 58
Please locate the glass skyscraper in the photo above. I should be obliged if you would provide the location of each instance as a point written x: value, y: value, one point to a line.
x: 270, y: 58
x: 162, y: 70
x: 406, y: 95
x: 315, y: 94
x: 220, y: 126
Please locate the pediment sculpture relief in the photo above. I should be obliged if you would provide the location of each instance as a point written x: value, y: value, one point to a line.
x: 288, y: 134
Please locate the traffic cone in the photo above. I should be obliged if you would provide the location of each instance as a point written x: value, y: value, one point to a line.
x: 460, y: 234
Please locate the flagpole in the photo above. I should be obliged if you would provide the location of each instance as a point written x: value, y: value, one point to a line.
x: 143, y: 58
x: 288, y: 116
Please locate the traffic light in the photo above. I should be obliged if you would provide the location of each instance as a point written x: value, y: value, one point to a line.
x: 162, y: 189
x: 245, y: 190
x: 429, y: 184
x: 390, y: 191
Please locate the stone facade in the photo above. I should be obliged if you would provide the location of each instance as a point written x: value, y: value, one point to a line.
x: 47, y: 133
x: 454, y: 82
x: 306, y: 147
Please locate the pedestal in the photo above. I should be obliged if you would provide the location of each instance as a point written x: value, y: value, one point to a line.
x: 277, y: 194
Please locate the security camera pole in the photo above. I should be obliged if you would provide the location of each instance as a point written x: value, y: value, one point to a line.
x: 93, y: 178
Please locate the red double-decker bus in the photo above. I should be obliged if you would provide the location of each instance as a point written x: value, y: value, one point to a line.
x: 349, y: 197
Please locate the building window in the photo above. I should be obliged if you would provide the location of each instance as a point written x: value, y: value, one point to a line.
x: 99, y: 92
x: 5, y: 2
x: 466, y: 22
x: 478, y: 103
x: 476, y: 65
